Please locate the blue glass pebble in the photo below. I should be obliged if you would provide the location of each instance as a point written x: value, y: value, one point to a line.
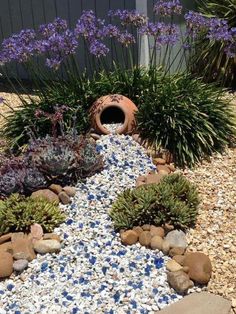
x: 10, y: 287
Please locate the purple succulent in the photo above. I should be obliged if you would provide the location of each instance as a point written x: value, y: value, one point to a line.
x: 168, y: 8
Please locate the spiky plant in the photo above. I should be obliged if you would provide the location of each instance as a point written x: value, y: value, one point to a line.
x: 174, y: 200
x: 187, y: 117
x: 18, y: 213
x: 210, y: 59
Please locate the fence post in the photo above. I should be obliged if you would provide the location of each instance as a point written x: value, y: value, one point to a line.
x: 143, y: 46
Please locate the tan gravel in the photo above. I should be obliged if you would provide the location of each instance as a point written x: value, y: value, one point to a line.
x: 11, y: 100
x: 215, y: 232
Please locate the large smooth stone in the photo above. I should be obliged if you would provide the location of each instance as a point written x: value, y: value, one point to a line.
x: 23, y: 249
x: 145, y: 238
x: 47, y: 246
x: 46, y: 194
x: 6, y: 264
x: 179, y: 281
x: 129, y: 237
x: 200, y: 268
x: 177, y: 238
x: 156, y: 243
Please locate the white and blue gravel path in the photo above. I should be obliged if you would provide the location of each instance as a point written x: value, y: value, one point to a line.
x: 94, y: 273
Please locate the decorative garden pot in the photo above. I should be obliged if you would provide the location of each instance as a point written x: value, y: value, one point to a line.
x: 113, y: 109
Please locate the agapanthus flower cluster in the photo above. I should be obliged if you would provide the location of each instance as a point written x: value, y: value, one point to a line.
x: 127, y: 17
x: 168, y: 8
x: 18, y: 47
x: 218, y: 29
x: 93, y: 30
x: 163, y: 33
x: 195, y: 23
x: 230, y: 49
x: 57, y: 26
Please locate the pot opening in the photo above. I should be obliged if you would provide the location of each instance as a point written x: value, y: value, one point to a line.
x: 112, y: 118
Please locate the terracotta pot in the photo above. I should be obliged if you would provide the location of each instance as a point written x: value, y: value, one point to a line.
x: 113, y: 109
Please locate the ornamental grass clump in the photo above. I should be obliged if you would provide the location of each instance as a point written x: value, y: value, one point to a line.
x: 174, y: 200
x: 187, y: 117
x: 18, y: 213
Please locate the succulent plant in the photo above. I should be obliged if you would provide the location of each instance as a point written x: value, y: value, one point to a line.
x: 174, y: 200
x: 33, y: 180
x: 64, y: 159
x: 18, y: 213
x: 91, y: 161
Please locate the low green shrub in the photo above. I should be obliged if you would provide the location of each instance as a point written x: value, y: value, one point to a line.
x: 18, y: 213
x: 187, y: 117
x: 174, y: 200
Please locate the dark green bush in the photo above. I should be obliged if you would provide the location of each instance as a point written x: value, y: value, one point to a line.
x: 18, y: 213
x: 78, y: 94
x: 187, y: 117
x: 174, y: 200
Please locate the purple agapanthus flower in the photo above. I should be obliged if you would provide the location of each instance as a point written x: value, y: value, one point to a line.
x: 89, y: 26
x: 127, y: 17
x: 126, y: 38
x: 18, y: 47
x: 168, y: 8
x: 195, y: 23
x: 163, y: 33
x: 230, y: 49
x: 218, y: 29
x: 98, y: 49
x: 57, y: 26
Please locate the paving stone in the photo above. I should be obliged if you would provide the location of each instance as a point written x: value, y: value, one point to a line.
x: 199, y: 303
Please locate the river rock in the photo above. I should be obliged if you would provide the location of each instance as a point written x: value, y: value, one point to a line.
x: 165, y: 247
x: 6, y: 264
x: 138, y: 230
x: 129, y: 237
x: 46, y: 194
x: 64, y: 198
x: 177, y: 238
x: 200, y: 268
x: 156, y: 243
x: 36, y: 231
x: 20, y: 265
x: 157, y: 231
x: 23, y: 249
x: 146, y: 227
x: 172, y: 265
x: 179, y: 281
x: 51, y: 236
x: 159, y: 161
x: 145, y: 238
x: 47, y: 246
x: 56, y: 188
x: 70, y: 190
x: 163, y: 168
x: 5, y: 238
x: 176, y: 251
x: 179, y: 259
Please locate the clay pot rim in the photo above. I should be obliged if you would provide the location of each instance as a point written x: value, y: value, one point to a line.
x: 121, y: 129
